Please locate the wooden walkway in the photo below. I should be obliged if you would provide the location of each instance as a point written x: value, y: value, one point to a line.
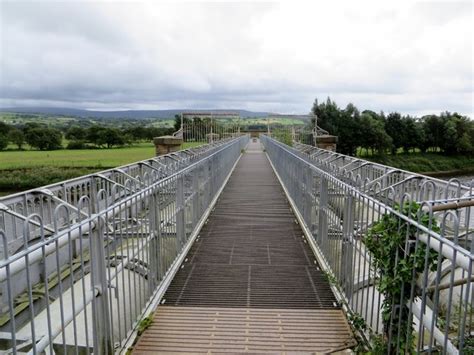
x: 250, y: 283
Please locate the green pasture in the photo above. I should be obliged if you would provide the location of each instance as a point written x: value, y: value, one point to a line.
x: 28, y: 169
x: 90, y: 158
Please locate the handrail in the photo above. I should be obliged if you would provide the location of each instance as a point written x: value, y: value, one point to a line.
x: 326, y: 201
x: 146, y: 228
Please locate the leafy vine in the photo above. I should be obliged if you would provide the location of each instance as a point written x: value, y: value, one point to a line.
x: 399, y: 260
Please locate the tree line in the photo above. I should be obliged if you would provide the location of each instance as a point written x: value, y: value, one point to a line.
x: 41, y: 137
x: 449, y: 133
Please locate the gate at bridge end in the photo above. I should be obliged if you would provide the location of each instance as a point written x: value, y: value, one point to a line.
x: 167, y: 144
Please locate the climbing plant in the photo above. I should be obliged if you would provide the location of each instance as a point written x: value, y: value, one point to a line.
x: 399, y: 260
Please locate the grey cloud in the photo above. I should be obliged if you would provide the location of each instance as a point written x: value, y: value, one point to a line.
x: 242, y: 55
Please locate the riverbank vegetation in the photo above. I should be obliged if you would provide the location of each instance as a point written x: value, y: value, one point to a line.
x: 428, y: 144
x: 379, y: 133
x: 434, y: 164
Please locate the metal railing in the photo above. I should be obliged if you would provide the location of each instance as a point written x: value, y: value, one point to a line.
x: 82, y: 260
x: 367, y: 176
x: 337, y: 212
x: 117, y: 182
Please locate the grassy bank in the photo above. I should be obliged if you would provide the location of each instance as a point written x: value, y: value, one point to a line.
x: 428, y: 163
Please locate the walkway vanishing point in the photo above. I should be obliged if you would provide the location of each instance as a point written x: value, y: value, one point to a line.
x: 250, y: 283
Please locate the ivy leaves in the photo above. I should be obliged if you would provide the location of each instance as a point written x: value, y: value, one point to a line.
x: 399, y: 259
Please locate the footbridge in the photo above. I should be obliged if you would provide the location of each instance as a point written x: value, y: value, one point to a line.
x: 240, y: 246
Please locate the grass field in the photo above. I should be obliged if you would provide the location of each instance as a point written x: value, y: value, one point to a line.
x: 28, y: 169
x: 90, y: 158
x: 76, y: 158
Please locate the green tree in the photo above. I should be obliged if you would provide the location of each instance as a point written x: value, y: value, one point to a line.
x: 177, y: 122
x: 135, y: 133
x: 30, y: 125
x: 412, y: 136
x: 96, y: 136
x: 450, y: 137
x: 111, y: 137
x: 349, y: 130
x: 105, y: 136
x: 433, y: 129
x: 464, y: 144
x: 76, y: 133
x: 328, y: 114
x: 454, y: 127
x: 3, y: 141
x: 394, y: 128
x: 44, y: 138
x: 153, y: 132
x: 17, y: 137
x: 342, y: 123
x: 373, y: 135
x: 4, y: 128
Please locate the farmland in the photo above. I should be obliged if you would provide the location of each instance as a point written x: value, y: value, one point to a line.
x: 91, y: 158
x: 27, y: 169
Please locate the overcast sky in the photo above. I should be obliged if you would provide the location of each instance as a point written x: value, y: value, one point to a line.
x: 411, y: 56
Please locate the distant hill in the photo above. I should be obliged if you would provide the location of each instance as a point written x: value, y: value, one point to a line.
x: 129, y: 114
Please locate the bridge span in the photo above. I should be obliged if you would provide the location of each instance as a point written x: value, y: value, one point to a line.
x: 238, y: 247
x: 250, y: 282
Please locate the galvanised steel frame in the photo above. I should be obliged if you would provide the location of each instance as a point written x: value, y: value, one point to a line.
x: 82, y: 260
x: 365, y: 175
x: 338, y: 198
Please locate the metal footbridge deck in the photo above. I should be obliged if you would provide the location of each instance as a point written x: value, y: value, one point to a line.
x: 250, y: 282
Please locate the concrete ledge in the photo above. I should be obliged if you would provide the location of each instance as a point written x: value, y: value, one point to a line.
x: 167, y: 144
x: 326, y: 142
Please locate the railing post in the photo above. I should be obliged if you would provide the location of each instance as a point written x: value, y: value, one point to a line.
x: 308, y: 180
x: 347, y: 254
x: 207, y: 186
x: 100, y: 304
x: 196, y: 193
x: 202, y: 187
x: 155, y: 221
x: 180, y: 218
x: 323, y: 204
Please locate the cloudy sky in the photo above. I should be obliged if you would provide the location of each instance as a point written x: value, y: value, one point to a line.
x: 411, y: 56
